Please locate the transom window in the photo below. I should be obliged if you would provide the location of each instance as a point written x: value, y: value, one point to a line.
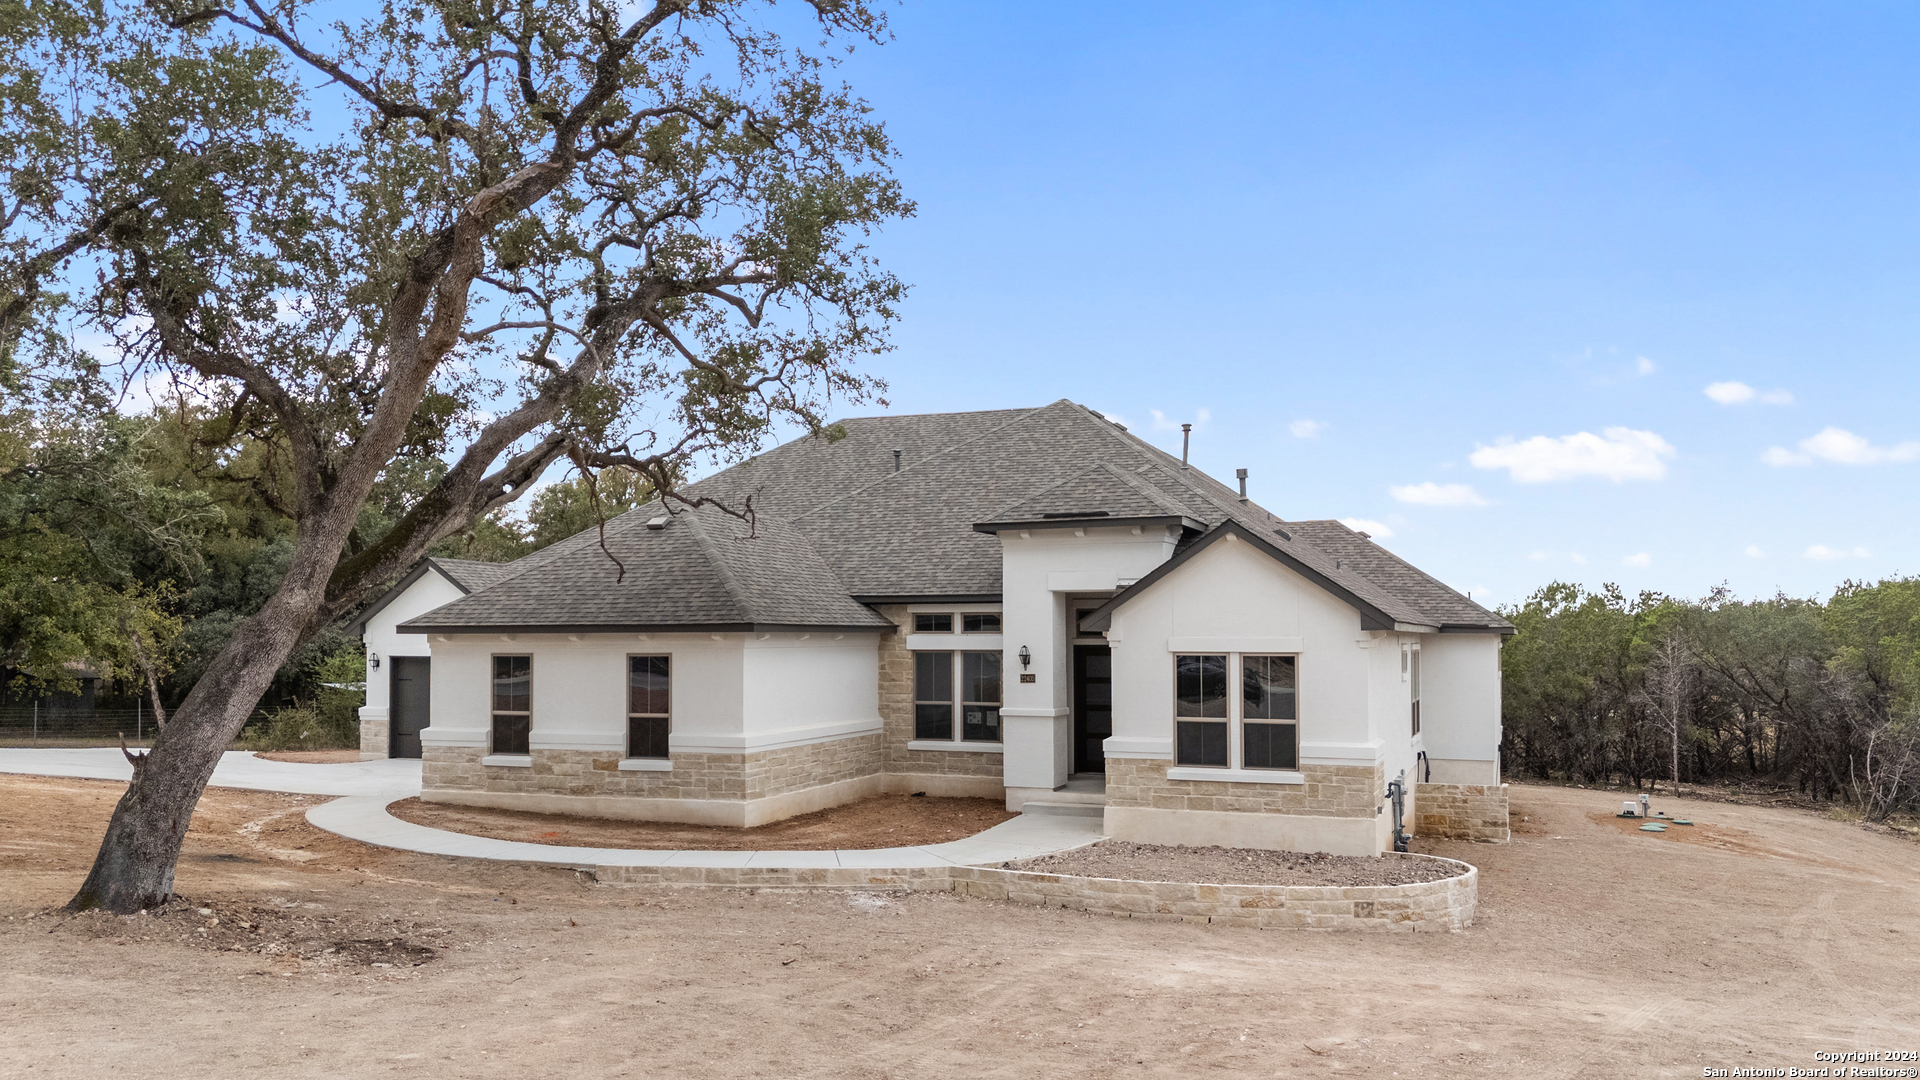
x: 512, y: 703
x: 1257, y: 728
x: 982, y: 623
x: 937, y: 675
x: 933, y: 623
x: 649, y: 706
x: 971, y: 622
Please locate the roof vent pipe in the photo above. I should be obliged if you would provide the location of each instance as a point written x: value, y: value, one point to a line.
x: 1241, y: 475
x: 896, y: 461
x: 1186, y: 440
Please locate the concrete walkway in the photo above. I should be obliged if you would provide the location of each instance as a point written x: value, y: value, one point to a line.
x: 367, y: 787
x: 366, y: 819
x: 395, y: 778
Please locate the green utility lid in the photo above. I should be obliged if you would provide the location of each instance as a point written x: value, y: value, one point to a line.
x: 1655, y: 827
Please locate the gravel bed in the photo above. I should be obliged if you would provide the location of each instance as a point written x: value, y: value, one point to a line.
x: 1235, y: 866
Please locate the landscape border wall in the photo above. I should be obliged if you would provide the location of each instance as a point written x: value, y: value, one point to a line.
x: 1428, y: 906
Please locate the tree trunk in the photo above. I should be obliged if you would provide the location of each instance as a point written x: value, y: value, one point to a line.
x: 135, y: 866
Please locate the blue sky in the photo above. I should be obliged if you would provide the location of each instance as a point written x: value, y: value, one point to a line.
x: 1493, y: 257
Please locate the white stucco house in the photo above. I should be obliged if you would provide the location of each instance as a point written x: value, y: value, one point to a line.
x: 1024, y: 604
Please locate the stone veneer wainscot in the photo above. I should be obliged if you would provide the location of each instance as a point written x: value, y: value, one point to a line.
x: 936, y: 772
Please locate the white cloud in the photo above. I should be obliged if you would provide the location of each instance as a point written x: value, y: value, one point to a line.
x: 1432, y: 494
x: 1161, y: 423
x: 1638, y: 559
x: 1823, y: 553
x: 1376, y: 529
x: 1841, y: 447
x: 1536, y: 556
x: 1753, y: 552
x: 1617, y: 454
x: 1307, y: 429
x: 1739, y: 393
x: 1578, y: 558
x: 1644, y: 366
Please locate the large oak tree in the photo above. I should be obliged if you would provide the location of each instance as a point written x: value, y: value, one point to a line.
x: 503, y: 233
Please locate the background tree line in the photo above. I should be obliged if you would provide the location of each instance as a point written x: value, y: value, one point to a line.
x: 135, y: 547
x: 1820, y: 697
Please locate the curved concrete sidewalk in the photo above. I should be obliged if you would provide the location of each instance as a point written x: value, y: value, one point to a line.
x: 395, y: 778
x: 366, y: 787
x: 365, y: 818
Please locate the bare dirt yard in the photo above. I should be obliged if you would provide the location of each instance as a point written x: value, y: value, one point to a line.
x: 1758, y: 939
x: 882, y: 821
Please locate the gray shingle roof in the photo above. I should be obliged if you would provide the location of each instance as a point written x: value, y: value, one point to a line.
x: 836, y: 521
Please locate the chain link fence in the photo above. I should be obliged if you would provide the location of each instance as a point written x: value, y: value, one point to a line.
x: 64, y: 725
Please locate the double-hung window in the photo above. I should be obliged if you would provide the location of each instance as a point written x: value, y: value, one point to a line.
x: 512, y: 703
x: 935, y: 700
x: 649, y: 706
x: 1256, y: 728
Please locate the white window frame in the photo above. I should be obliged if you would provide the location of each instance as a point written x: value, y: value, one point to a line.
x: 1235, y: 770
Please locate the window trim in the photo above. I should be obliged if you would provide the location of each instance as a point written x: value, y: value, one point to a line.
x: 493, y: 714
x: 1235, y: 721
x: 627, y: 750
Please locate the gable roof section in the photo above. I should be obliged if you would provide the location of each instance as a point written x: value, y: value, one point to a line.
x: 701, y: 572
x: 1373, y: 616
x: 466, y: 575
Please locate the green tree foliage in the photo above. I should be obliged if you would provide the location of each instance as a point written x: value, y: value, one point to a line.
x: 363, y: 239
x: 91, y: 546
x: 1825, y: 697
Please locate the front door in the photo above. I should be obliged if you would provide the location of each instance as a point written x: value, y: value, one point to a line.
x: 407, y: 704
x: 1092, y: 706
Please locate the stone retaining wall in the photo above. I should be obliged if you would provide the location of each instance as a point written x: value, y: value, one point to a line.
x: 1431, y: 906
x: 1475, y: 812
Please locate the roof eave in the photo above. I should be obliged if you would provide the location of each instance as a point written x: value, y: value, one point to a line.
x: 1186, y: 523
x: 647, y: 628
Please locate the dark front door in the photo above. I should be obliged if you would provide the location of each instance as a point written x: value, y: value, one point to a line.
x: 1092, y: 706
x: 407, y: 704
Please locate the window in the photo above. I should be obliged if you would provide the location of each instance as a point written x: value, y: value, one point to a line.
x: 980, y: 624
x: 1269, y: 737
x: 1200, y: 692
x: 1414, y: 678
x: 933, y: 695
x: 977, y: 678
x: 980, y: 696
x: 649, y: 706
x: 1265, y: 711
x: 941, y: 623
x: 512, y: 703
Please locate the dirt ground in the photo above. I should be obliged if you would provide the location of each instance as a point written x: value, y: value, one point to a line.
x: 882, y: 821
x: 1235, y: 866
x: 1756, y: 940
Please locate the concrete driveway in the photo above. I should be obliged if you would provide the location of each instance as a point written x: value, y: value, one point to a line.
x: 391, y: 778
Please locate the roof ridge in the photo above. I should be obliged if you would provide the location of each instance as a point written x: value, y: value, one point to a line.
x: 735, y: 591
x: 924, y: 462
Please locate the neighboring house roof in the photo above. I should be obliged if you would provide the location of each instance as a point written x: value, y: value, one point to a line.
x: 837, y: 526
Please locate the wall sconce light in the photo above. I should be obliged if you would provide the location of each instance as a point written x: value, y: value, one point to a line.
x: 373, y: 660
x: 1026, y: 658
